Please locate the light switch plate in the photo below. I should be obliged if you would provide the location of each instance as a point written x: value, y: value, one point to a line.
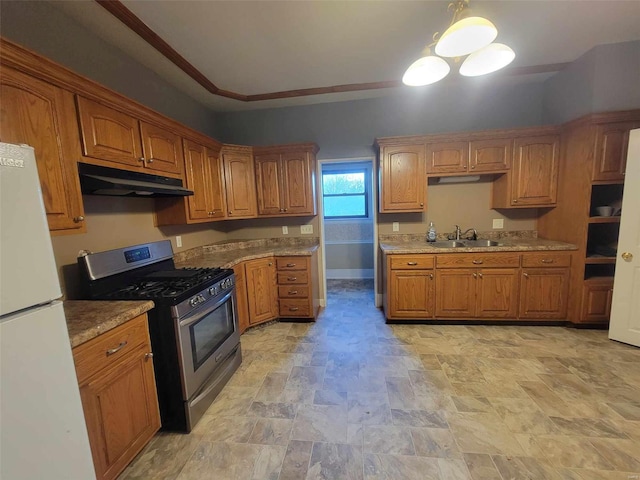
x: 285, y: 230
x: 178, y: 241
x: 396, y: 226
x: 306, y: 229
x: 498, y: 223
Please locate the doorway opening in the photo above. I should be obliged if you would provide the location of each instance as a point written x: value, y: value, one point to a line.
x: 348, y: 228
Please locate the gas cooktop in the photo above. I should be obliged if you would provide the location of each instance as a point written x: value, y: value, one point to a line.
x: 168, y: 284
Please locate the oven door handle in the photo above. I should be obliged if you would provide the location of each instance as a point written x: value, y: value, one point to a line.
x: 191, y: 320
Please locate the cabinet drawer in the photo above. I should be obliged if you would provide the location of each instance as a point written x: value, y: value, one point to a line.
x: 295, y: 308
x: 293, y: 291
x: 108, y: 349
x: 546, y: 260
x: 293, y: 278
x: 411, y: 262
x: 291, y: 263
x: 484, y: 260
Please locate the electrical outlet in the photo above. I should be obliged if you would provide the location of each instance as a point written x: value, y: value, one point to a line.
x: 178, y: 241
x: 285, y: 230
x: 306, y: 229
x: 396, y: 226
x: 498, y: 223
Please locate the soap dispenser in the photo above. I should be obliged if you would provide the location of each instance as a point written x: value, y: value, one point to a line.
x: 431, y: 234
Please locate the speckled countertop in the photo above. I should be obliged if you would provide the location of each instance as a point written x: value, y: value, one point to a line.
x: 228, y: 254
x: 86, y: 319
x: 514, y: 242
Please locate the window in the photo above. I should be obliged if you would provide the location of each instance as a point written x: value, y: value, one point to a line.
x: 345, y: 194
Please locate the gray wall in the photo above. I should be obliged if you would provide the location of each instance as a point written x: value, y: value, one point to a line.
x: 39, y: 26
x: 606, y: 78
x: 348, y: 129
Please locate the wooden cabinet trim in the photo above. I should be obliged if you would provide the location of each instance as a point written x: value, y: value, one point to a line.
x: 477, y: 260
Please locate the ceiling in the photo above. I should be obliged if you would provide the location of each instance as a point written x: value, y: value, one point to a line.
x: 258, y: 47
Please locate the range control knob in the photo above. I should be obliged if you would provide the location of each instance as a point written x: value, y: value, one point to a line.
x: 197, y: 300
x: 223, y: 285
x: 213, y: 291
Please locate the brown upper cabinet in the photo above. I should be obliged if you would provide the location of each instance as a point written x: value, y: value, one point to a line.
x: 492, y: 155
x: 42, y: 115
x: 285, y: 179
x: 402, y: 178
x: 611, y: 150
x: 110, y: 136
x: 533, y: 178
x: 240, y: 181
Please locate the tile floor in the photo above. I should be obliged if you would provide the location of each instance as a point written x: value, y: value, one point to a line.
x: 350, y: 397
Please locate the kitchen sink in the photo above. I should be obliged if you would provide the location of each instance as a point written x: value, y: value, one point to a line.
x: 481, y: 243
x: 448, y: 244
x: 464, y: 243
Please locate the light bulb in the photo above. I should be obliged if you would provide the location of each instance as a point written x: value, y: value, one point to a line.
x: 466, y: 36
x: 486, y: 60
x: 425, y: 71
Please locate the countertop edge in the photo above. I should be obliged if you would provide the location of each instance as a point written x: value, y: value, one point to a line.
x: 88, y: 319
x: 207, y: 259
x: 544, y: 246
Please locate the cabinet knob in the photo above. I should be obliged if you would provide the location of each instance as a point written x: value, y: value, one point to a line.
x: 270, y: 264
x: 627, y: 256
x: 479, y: 275
x: 282, y: 210
x: 150, y: 160
x: 230, y: 212
x: 431, y: 276
x: 515, y: 201
x: 525, y: 275
x: 472, y: 167
x: 475, y: 275
x: 421, y: 204
x: 78, y: 219
x: 148, y: 355
x: 141, y: 159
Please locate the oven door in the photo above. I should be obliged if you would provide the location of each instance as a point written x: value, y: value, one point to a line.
x: 206, y: 337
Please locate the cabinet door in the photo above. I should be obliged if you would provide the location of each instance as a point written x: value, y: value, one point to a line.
x: 535, y: 171
x: 298, y: 185
x: 217, y: 194
x: 240, y: 181
x: 108, y: 134
x: 261, y: 290
x: 497, y: 293
x: 611, y: 150
x: 490, y: 156
x: 455, y: 293
x: 596, y: 301
x: 411, y: 294
x: 43, y: 116
x: 197, y: 175
x: 403, y: 179
x: 162, y: 149
x: 269, y: 184
x: 543, y: 293
x: 242, y: 305
x: 447, y: 157
x: 121, y: 410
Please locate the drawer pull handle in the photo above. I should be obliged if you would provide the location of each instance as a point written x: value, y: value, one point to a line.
x: 291, y: 264
x: 477, y: 262
x: 293, y: 309
x: 412, y: 263
x: 547, y: 260
x: 292, y: 279
x: 111, y: 351
x: 293, y: 292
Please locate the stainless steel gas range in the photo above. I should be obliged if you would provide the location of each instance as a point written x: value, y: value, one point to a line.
x: 193, y: 327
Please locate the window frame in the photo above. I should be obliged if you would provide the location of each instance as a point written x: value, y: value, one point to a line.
x: 365, y: 193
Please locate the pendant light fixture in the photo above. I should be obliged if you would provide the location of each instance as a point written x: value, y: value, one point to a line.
x: 466, y: 35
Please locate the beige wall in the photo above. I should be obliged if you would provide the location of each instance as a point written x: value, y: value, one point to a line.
x: 270, y: 227
x: 114, y: 222
x: 464, y: 204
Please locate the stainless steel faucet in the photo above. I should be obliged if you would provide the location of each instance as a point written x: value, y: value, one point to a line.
x: 459, y: 233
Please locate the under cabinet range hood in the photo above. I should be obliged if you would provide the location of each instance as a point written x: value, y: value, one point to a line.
x: 96, y: 180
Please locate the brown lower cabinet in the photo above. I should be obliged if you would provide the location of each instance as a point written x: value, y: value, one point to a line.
x: 262, y: 295
x: 489, y: 286
x: 297, y: 286
x: 597, y: 294
x: 118, y: 392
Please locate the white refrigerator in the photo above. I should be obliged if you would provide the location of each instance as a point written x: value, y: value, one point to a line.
x: 42, y: 428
